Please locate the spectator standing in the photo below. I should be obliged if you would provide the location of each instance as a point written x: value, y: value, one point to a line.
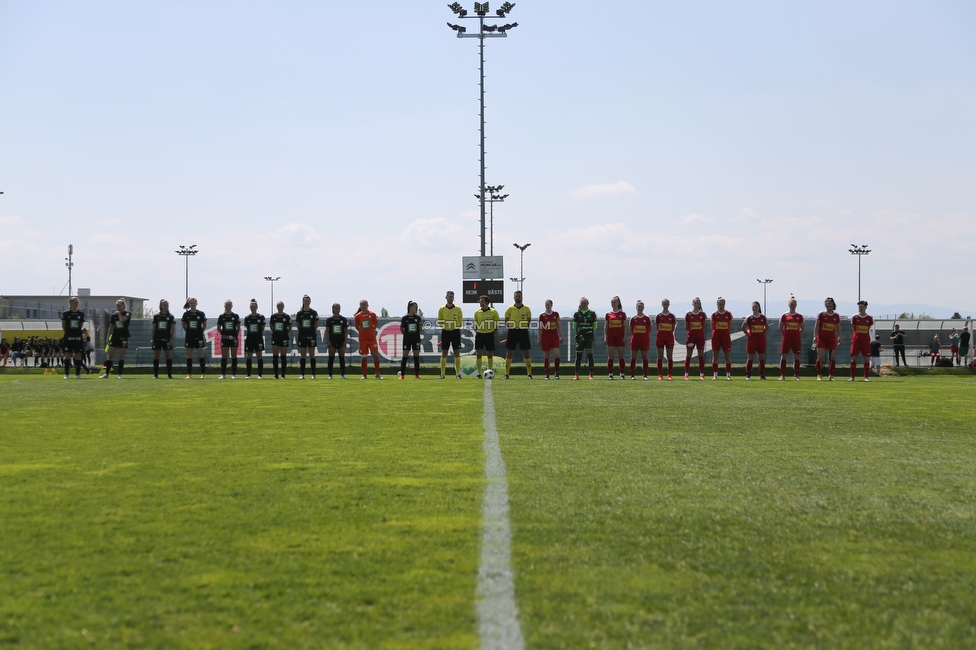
x: 934, y: 350
x: 898, y: 344
x: 964, y: 338
x: 876, y: 354
x: 954, y: 346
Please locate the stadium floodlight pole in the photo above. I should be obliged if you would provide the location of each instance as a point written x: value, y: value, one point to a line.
x: 494, y: 197
x: 484, y: 31
x: 860, y: 251
x: 764, y: 283
x: 272, y: 281
x: 521, y: 280
x: 187, y: 252
x: 69, y: 264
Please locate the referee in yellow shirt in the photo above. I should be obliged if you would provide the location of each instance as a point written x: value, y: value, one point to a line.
x: 485, y: 325
x: 518, y: 317
x: 450, y: 319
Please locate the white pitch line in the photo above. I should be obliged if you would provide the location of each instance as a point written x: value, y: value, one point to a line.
x: 498, y: 623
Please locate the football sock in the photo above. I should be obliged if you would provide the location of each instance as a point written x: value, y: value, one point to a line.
x: 701, y: 364
x: 491, y: 363
x: 853, y: 368
x: 644, y: 364
x: 311, y: 362
x: 364, y: 365
x: 687, y: 364
x: 749, y: 368
x: 633, y: 366
x: 623, y: 368
x: 867, y: 370
x: 457, y: 365
x: 660, y: 366
x: 762, y: 368
x: 545, y: 365
x: 403, y: 366
x: 819, y: 368
x: 782, y: 367
x: 302, y: 364
x: 528, y: 367
x: 443, y: 366
x: 121, y: 365
x: 796, y: 367
x: 284, y: 364
x: 332, y: 363
x: 610, y: 365
x: 169, y: 366
x: 342, y: 364
x: 108, y: 367
x: 274, y: 362
x: 155, y: 367
x: 589, y: 357
x: 223, y: 365
x: 203, y: 365
x: 557, y: 365
x: 670, y: 366
x: 189, y: 365
x: 67, y: 365
x: 260, y: 366
x: 416, y: 365
x: 579, y: 359
x: 728, y: 367
x: 833, y: 367
x: 247, y: 363
x: 508, y: 366
x: 714, y: 367
x: 233, y: 365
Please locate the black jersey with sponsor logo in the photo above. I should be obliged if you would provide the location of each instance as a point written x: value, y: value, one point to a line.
x: 254, y: 325
x: 162, y: 326
x: 228, y: 324
x: 411, y: 326
x: 307, y: 320
x: 72, y: 322
x: 280, y: 324
x: 120, y: 328
x: 194, y: 322
x: 336, y: 326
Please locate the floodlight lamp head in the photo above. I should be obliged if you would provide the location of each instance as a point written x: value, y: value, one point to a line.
x: 506, y: 7
x: 481, y: 8
x: 490, y: 28
x: 503, y: 197
x: 456, y: 8
x: 505, y: 28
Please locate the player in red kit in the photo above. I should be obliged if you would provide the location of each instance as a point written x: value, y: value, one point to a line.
x: 755, y: 327
x: 640, y: 339
x: 665, y: 338
x: 721, y: 338
x: 827, y: 336
x: 791, y: 327
x: 861, y: 325
x: 695, y: 337
x: 549, y: 339
x: 614, y: 334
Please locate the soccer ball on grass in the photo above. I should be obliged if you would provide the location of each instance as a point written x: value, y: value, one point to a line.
x: 489, y: 374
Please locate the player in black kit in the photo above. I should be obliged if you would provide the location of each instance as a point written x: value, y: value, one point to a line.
x: 280, y: 331
x: 254, y: 338
x: 118, y: 338
x: 337, y: 327
x: 410, y: 327
x: 194, y: 324
x: 74, y: 343
x: 163, y: 331
x: 307, y: 320
x: 229, y: 328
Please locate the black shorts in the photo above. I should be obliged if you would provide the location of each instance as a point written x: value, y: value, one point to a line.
x: 280, y: 340
x: 228, y: 342
x: 254, y: 343
x: 119, y: 342
x: 450, y: 338
x: 161, y: 344
x: 337, y: 342
x: 584, y: 342
x: 411, y: 342
x: 518, y: 338
x: 484, y: 342
x: 306, y: 340
x: 198, y: 344
x: 71, y: 345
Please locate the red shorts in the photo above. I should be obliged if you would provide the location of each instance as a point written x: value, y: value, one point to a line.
x: 548, y: 340
x: 953, y: 349
x: 367, y: 346
x: 827, y: 342
x: 860, y: 346
x: 664, y: 339
x: 640, y: 342
x: 756, y: 345
x: 698, y: 340
x: 791, y: 343
x: 615, y: 338
x: 722, y: 342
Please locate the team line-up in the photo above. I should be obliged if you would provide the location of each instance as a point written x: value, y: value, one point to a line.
x: 518, y: 321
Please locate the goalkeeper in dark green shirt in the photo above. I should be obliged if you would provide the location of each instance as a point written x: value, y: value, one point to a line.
x: 584, y: 322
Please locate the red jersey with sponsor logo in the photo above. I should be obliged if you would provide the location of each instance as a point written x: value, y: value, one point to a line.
x: 862, y: 327
x: 665, y: 328
x: 695, y: 326
x: 829, y: 325
x: 722, y: 325
x: 757, y: 326
x: 790, y: 324
x: 640, y: 328
x: 615, y: 323
x: 549, y: 326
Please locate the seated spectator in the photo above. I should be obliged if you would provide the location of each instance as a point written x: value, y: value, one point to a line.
x: 934, y: 348
x: 4, y: 351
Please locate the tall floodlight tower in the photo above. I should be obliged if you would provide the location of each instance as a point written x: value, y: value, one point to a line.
x: 860, y: 251
x: 187, y: 253
x: 484, y: 31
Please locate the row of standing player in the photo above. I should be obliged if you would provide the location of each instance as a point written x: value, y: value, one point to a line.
x: 517, y: 318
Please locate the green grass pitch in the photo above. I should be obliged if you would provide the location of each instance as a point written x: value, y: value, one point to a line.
x: 246, y: 514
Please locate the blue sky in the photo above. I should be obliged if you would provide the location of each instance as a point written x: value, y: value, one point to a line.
x: 650, y: 149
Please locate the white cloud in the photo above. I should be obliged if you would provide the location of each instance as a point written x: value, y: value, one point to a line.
x: 11, y: 220
x: 693, y: 217
x: 747, y: 214
x: 427, y: 233
x: 620, y: 188
x: 108, y: 222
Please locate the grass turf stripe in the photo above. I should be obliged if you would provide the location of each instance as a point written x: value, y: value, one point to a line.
x: 498, y: 623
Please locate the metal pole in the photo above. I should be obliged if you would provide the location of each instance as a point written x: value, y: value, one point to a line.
x: 481, y: 55
x: 69, y: 264
x: 272, y: 281
x: 860, y: 251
